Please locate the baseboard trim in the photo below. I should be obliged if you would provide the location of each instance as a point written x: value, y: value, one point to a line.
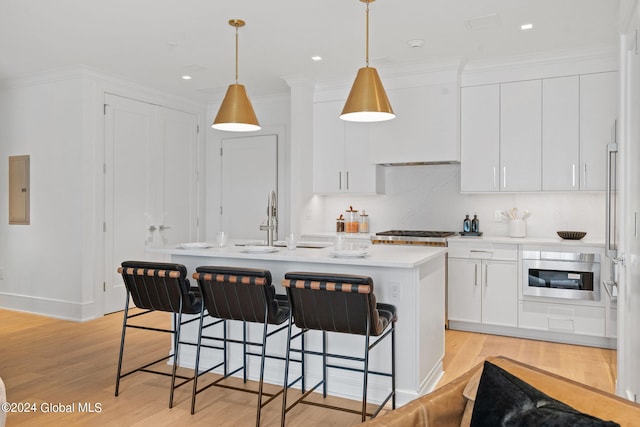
x: 50, y: 307
x: 560, y: 337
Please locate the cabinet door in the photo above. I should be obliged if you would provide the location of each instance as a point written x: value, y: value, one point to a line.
x: 500, y: 293
x: 520, y: 136
x: 425, y: 127
x: 359, y: 175
x: 560, y: 133
x: 480, y: 138
x: 598, y: 112
x: 328, y: 147
x: 464, y: 293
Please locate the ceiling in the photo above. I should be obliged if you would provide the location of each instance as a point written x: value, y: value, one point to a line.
x: 155, y: 42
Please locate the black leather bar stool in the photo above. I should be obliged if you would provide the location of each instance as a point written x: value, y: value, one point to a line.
x: 339, y: 303
x: 245, y: 295
x: 155, y: 286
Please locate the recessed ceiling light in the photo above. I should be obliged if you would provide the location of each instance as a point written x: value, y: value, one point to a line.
x: 185, y: 77
x: 416, y: 43
x: 316, y: 58
x: 526, y: 27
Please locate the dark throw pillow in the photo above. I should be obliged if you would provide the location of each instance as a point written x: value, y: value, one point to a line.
x: 505, y: 400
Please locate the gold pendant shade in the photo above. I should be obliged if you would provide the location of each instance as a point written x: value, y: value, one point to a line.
x: 236, y: 112
x: 367, y: 101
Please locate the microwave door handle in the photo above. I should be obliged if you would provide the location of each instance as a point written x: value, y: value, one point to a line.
x: 610, y: 219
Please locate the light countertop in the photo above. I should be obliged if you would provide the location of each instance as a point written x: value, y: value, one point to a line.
x: 377, y: 255
x: 551, y: 240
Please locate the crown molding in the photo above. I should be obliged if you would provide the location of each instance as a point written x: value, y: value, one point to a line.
x: 541, y: 65
x: 106, y: 82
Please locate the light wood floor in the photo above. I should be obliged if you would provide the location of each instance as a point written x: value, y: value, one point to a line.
x: 51, y: 361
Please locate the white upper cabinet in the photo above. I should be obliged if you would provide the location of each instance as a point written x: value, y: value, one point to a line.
x: 548, y: 134
x: 500, y: 133
x: 425, y: 128
x: 560, y: 133
x: 598, y: 112
x: 340, y: 160
x: 480, y: 138
x: 521, y: 136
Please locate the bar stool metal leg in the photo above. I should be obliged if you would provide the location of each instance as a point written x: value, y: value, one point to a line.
x: 366, y: 374
x: 124, y: 329
x: 393, y: 365
x: 324, y: 363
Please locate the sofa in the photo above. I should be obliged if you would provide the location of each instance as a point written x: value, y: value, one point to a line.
x: 476, y: 394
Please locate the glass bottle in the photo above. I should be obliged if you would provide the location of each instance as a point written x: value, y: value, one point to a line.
x: 466, y: 224
x: 351, y: 221
x: 364, y: 222
x: 475, y: 224
x: 340, y: 224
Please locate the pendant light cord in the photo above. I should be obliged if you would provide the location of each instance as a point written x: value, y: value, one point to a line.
x: 367, y: 38
x: 236, y: 53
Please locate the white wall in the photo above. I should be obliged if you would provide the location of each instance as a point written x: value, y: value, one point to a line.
x: 428, y: 198
x: 54, y: 266
x: 43, y: 261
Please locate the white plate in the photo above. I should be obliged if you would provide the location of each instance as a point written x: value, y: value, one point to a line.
x: 353, y: 253
x: 259, y: 249
x: 194, y: 245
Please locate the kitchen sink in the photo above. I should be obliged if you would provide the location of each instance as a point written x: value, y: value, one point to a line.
x: 282, y: 244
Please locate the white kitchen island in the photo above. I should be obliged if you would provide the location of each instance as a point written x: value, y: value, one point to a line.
x: 411, y: 278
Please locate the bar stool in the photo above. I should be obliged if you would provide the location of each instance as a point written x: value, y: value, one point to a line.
x: 338, y: 303
x: 246, y: 295
x: 156, y: 286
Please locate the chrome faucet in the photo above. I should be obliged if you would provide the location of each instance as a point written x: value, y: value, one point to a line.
x: 272, y: 217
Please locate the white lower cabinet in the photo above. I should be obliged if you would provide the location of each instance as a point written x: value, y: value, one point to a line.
x: 484, y: 295
x: 567, y: 318
x: 481, y: 288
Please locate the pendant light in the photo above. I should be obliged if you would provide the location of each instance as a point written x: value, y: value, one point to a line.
x: 236, y: 112
x: 367, y: 101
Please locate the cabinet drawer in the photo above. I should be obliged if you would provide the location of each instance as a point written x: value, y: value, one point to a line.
x: 495, y: 251
x: 573, y: 319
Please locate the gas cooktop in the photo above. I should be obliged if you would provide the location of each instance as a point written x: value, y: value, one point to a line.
x: 416, y: 233
x: 412, y: 237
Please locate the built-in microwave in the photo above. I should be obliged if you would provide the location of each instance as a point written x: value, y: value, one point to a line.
x: 569, y: 275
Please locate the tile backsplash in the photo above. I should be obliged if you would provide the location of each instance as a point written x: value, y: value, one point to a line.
x: 428, y: 198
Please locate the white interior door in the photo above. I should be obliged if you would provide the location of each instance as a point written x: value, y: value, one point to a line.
x: 128, y: 201
x: 150, y: 185
x: 249, y: 172
x: 176, y: 198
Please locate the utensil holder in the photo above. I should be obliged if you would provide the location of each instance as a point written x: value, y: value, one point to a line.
x: 517, y: 228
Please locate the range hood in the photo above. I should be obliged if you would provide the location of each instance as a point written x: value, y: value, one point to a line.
x: 420, y: 163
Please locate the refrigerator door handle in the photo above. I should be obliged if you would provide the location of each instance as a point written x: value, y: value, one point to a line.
x: 610, y: 245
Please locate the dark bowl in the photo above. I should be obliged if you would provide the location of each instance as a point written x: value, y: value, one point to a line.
x: 571, y: 235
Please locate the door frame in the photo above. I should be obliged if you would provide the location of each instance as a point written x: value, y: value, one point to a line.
x: 96, y: 95
x: 213, y: 180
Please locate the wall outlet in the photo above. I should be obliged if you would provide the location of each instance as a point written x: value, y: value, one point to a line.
x: 395, y: 291
x: 497, y: 216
